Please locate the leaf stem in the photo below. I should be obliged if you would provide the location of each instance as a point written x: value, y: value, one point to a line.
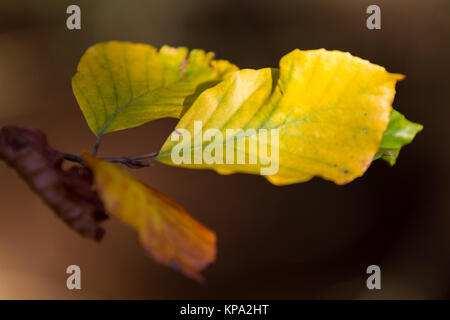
x: 97, y: 145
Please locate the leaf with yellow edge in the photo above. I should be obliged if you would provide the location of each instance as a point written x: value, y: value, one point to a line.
x: 167, y: 232
x: 330, y: 109
x: 121, y: 85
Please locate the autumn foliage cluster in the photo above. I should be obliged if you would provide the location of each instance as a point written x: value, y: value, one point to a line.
x: 332, y: 111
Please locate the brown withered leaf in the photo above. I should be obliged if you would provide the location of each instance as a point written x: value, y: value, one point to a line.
x: 68, y: 192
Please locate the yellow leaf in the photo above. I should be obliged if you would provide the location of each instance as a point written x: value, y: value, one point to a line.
x: 328, y: 108
x: 167, y: 232
x: 121, y: 85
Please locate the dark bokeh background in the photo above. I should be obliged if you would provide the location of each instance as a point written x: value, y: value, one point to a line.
x: 312, y: 240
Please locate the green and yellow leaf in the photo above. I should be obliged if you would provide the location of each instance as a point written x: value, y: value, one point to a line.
x: 330, y: 109
x: 120, y: 85
x: 167, y: 232
x: 400, y: 132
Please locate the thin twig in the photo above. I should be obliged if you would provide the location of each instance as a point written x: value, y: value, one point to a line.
x: 138, y: 157
x: 132, y: 161
x: 73, y: 158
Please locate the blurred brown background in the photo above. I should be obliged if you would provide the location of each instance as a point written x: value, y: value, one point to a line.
x: 312, y: 240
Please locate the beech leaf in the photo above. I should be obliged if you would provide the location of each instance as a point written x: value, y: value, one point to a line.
x: 68, y: 192
x: 330, y: 109
x: 400, y: 132
x: 166, y: 231
x: 120, y: 85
